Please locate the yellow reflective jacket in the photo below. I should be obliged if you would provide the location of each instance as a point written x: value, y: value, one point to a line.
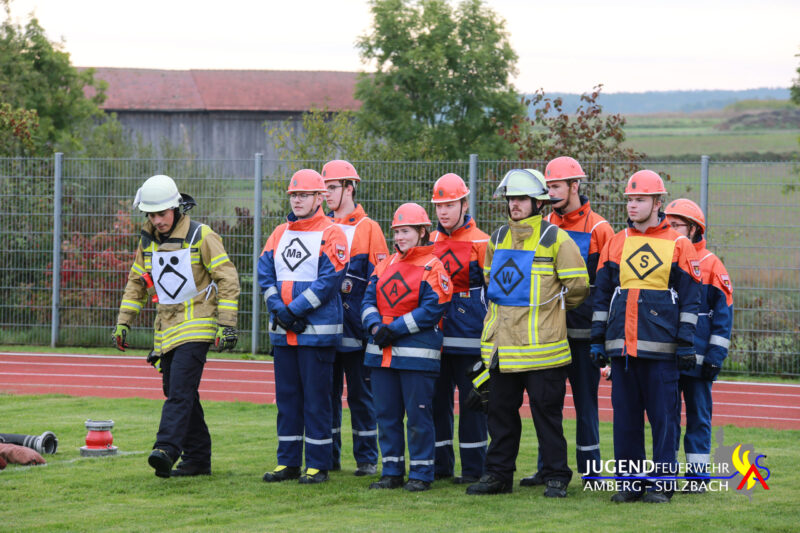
x: 532, y: 333
x: 215, y: 277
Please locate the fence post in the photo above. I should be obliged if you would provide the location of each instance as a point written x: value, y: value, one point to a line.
x: 704, y: 185
x: 56, y: 299
x: 259, y: 161
x: 473, y: 184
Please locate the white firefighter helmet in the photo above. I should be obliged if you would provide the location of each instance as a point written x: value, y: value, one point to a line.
x: 523, y: 182
x: 158, y: 193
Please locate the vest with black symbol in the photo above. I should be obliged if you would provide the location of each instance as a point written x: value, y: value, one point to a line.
x: 172, y: 270
x: 298, y: 256
x: 514, y: 272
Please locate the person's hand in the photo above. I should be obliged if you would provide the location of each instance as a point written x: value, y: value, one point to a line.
x: 383, y: 337
x: 226, y: 338
x: 597, y: 354
x: 709, y: 371
x: 687, y: 359
x: 154, y: 359
x: 119, y: 337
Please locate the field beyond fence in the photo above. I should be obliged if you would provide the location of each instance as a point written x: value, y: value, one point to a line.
x: 76, y: 215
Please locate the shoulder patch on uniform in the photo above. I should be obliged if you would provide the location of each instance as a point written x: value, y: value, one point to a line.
x: 193, y: 234
x: 499, y: 234
x: 146, y: 239
x: 695, y: 268
x: 380, y: 257
x: 341, y: 252
x: 726, y: 283
x: 444, y: 281
x: 548, y: 236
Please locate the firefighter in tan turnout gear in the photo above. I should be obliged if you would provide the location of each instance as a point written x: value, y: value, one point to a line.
x: 197, y: 290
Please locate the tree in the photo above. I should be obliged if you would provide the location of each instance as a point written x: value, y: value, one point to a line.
x: 17, y: 128
x: 441, y: 81
x: 594, y: 139
x: 36, y: 76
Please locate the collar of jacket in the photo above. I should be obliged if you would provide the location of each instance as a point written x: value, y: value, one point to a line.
x: 573, y: 217
x: 658, y: 228
x: 415, y: 252
x: 468, y: 223
x: 179, y: 231
x: 311, y: 223
x: 524, y: 228
x: 700, y: 245
x: 351, y: 219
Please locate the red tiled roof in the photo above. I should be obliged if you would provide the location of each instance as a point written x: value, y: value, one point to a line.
x: 226, y: 90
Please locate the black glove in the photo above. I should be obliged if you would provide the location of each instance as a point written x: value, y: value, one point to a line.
x: 597, y: 353
x: 225, y: 338
x: 687, y: 359
x: 288, y: 320
x: 709, y: 371
x: 478, y: 397
x: 154, y: 359
x: 383, y: 337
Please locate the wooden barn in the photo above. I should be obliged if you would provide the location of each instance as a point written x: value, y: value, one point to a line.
x: 220, y: 114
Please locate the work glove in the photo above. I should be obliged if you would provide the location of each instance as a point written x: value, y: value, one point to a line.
x: 597, y: 353
x: 226, y: 338
x: 687, y: 359
x: 383, y: 337
x: 284, y: 318
x: 119, y: 337
x: 154, y: 359
x: 478, y: 397
x: 12, y: 453
x: 709, y: 371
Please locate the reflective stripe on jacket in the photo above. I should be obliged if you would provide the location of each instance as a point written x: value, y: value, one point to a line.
x: 409, y: 293
x: 462, y: 253
x: 647, y: 293
x: 367, y: 247
x: 316, y: 297
x: 529, y: 332
x: 215, y: 276
x: 715, y: 317
x: 590, y: 232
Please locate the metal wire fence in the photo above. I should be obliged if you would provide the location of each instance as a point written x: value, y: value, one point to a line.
x: 75, y: 214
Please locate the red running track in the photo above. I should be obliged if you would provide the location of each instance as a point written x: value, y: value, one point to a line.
x: 745, y: 404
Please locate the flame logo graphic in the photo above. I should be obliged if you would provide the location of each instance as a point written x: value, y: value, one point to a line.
x: 743, y: 465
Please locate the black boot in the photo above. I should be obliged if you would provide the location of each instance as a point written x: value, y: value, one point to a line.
x: 490, y: 484
x: 161, y: 462
x: 282, y: 473
x: 387, y: 482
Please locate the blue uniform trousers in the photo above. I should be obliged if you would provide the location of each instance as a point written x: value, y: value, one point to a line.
x: 303, y: 378
x: 472, y: 432
x: 584, y: 379
x: 409, y: 393
x: 362, y: 408
x: 651, y: 386
x: 183, y: 432
x: 697, y: 440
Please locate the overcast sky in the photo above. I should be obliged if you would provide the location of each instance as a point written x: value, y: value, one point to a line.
x: 566, y: 45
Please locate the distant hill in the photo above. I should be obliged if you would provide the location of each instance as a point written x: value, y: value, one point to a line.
x: 672, y: 101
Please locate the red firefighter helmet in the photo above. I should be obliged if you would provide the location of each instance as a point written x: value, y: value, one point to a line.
x: 410, y: 215
x: 339, y: 169
x: 683, y: 207
x: 645, y: 183
x: 563, y: 168
x: 306, y: 180
x: 449, y: 188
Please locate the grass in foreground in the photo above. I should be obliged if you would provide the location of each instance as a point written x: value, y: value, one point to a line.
x: 121, y: 493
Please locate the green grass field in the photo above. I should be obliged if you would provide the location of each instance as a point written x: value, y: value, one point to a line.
x: 121, y: 493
